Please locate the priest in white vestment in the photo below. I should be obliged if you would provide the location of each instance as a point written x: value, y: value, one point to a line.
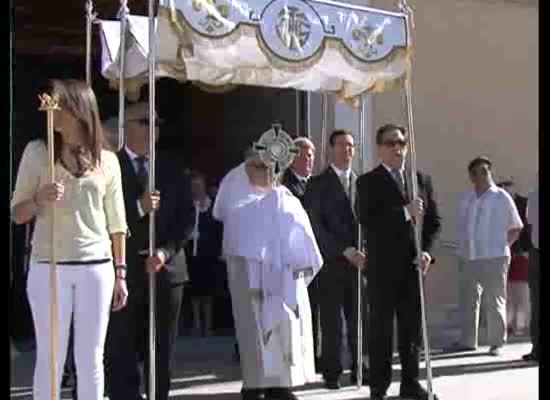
x: 272, y: 256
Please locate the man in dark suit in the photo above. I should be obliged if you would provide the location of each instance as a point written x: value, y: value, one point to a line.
x: 328, y: 201
x: 388, y: 216
x: 295, y: 179
x: 127, y: 338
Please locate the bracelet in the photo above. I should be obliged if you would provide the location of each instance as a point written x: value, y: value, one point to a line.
x: 123, y: 267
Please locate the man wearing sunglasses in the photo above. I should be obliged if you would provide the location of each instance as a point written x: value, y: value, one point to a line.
x: 489, y: 224
x: 388, y: 215
x: 127, y: 339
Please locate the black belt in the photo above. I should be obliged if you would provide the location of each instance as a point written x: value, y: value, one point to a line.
x: 87, y: 262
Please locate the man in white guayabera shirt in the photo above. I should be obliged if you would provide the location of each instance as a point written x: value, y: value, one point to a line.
x: 489, y: 225
x: 271, y: 256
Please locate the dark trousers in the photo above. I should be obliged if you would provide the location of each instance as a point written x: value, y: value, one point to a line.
x: 128, y: 338
x: 534, y: 287
x: 338, y: 290
x: 314, y: 293
x: 394, y: 292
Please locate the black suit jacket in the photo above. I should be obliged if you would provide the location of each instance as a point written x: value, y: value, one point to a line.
x: 331, y: 215
x: 389, y: 237
x: 295, y: 185
x: 174, y: 219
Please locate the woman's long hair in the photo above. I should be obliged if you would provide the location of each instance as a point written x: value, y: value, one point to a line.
x: 77, y: 98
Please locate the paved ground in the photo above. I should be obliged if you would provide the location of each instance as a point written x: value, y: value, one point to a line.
x: 205, y: 371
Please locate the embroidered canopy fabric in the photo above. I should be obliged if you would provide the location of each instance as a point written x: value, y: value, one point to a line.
x: 312, y: 45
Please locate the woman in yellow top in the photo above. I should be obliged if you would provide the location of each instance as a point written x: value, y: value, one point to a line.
x: 90, y: 234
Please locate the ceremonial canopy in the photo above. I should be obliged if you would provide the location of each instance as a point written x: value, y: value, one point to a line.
x: 313, y: 45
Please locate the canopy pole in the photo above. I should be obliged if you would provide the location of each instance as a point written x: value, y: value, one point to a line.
x: 417, y: 237
x: 11, y: 126
x: 360, y: 305
x: 298, y: 109
x: 309, y: 129
x: 418, y: 226
x: 324, y: 128
x: 90, y: 19
x: 123, y: 15
x: 152, y: 241
x: 50, y: 104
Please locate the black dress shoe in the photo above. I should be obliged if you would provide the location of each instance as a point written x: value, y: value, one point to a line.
x: 377, y: 396
x: 458, y: 348
x: 353, y: 378
x: 415, y: 392
x: 279, y: 393
x: 332, y: 383
x: 531, y: 357
x: 252, y: 394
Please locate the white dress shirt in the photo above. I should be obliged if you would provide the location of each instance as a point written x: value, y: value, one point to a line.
x: 342, y: 173
x: 533, y: 216
x: 133, y: 156
x: 301, y: 178
x: 402, y: 169
x: 485, y: 221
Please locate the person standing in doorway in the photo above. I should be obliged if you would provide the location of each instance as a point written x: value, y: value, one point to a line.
x: 204, y: 251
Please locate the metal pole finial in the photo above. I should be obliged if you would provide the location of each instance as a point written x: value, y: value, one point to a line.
x: 48, y: 102
x: 123, y: 8
x: 406, y: 9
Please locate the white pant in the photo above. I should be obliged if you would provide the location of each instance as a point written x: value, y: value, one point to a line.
x: 85, y: 291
